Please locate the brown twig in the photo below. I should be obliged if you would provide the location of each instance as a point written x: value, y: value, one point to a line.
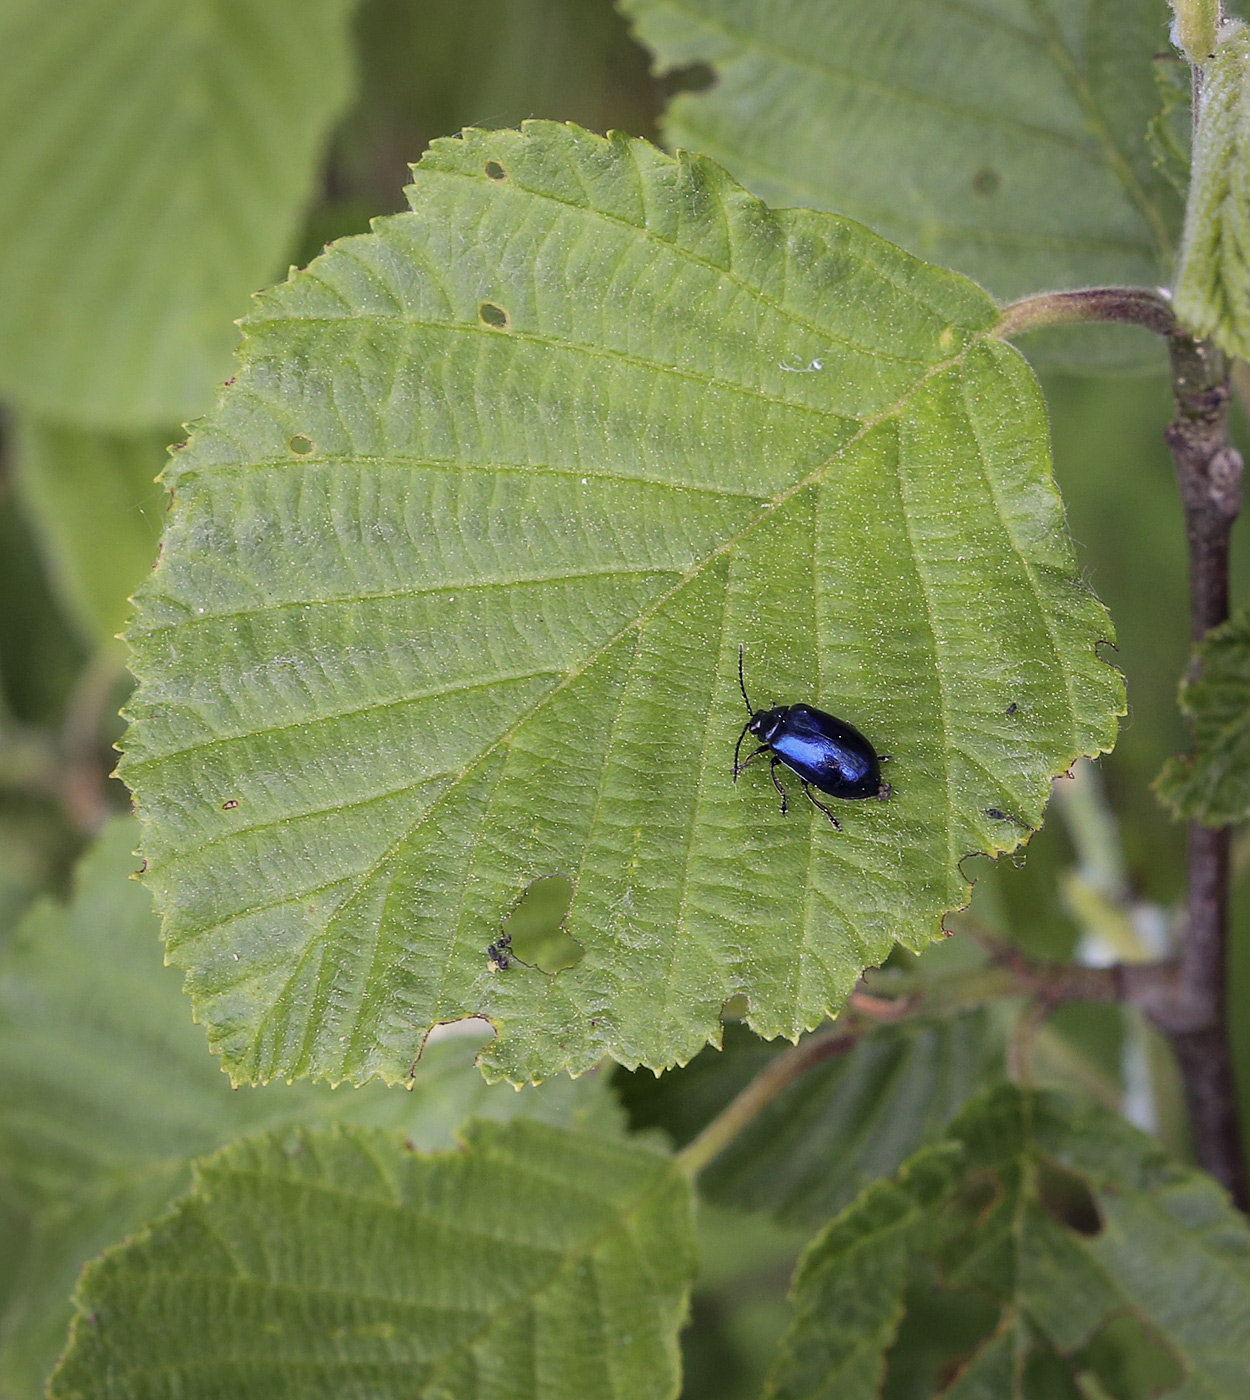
x: 1208, y: 470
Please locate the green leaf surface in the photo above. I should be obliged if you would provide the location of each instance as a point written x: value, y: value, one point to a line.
x: 107, y: 1092
x: 93, y: 502
x: 1005, y: 139
x: 156, y: 163
x: 849, y: 1121
x: 532, y: 1263
x: 1116, y: 1272
x: 1213, y: 283
x: 452, y: 596
x: 1211, y: 784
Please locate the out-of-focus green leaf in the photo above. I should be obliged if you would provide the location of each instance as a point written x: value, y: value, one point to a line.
x: 1169, y: 132
x: 452, y: 596
x: 855, y: 1119
x: 157, y: 159
x: 1213, y: 282
x: 849, y: 1121
x: 1002, y: 139
x: 1113, y: 1271
x: 93, y: 501
x: 534, y: 1263
x: 107, y: 1091
x: 428, y: 68
x: 1212, y: 783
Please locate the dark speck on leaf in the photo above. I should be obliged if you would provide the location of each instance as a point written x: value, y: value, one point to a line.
x: 987, y: 181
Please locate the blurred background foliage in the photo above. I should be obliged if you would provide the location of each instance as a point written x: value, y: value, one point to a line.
x: 78, y: 528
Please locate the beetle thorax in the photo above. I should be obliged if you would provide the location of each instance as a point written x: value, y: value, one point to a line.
x: 766, y: 723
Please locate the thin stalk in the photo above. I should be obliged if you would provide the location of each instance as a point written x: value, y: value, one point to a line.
x: 1134, y: 306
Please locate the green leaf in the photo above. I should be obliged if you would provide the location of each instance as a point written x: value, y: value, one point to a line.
x: 1115, y: 1271
x: 93, y: 501
x: 1017, y: 157
x: 1211, y: 784
x: 532, y: 1263
x: 1213, y: 283
x: 107, y: 1092
x: 849, y: 1288
x: 156, y: 164
x: 849, y: 1121
x: 452, y: 596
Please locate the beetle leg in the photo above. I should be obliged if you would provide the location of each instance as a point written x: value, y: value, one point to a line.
x: 837, y: 825
x: 738, y: 767
x: 738, y: 750
x: 772, y: 773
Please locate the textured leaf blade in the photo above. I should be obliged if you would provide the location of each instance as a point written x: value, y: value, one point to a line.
x: 533, y: 1262
x: 445, y: 607
x: 195, y: 132
x: 1211, y: 784
x: 1114, y: 1270
x: 107, y: 1093
x: 1018, y: 158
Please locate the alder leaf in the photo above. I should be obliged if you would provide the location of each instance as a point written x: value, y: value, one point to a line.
x: 531, y: 1263
x: 453, y: 590
x: 1005, y: 140
x: 156, y: 163
x: 1066, y: 1254
x: 1211, y: 784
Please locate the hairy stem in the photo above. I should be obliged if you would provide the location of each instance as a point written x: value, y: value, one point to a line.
x: 1135, y: 306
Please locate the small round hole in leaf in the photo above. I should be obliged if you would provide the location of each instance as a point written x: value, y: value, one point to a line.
x: 495, y: 171
x: 535, y: 928
x: 301, y: 444
x: 492, y: 315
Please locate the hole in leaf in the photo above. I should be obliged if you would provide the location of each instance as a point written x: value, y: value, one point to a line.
x: 693, y: 77
x: 301, y: 444
x: 535, y: 929
x: 734, y: 1009
x: 492, y: 315
x: 1066, y: 1197
x: 495, y: 171
x: 986, y: 182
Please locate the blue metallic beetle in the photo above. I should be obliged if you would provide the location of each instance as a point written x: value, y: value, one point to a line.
x: 823, y: 752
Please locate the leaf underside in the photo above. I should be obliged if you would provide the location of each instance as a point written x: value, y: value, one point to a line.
x: 533, y: 1263
x: 452, y: 595
x: 1019, y: 157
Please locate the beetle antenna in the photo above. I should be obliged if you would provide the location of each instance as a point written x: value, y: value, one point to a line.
x: 742, y: 685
